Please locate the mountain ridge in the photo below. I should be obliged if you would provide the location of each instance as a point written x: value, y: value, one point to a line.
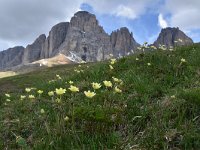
x: 83, y: 36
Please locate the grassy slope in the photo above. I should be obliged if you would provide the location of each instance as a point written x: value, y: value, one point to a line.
x: 144, y: 115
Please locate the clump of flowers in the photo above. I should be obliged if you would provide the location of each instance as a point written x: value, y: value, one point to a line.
x: 116, y: 79
x: 96, y: 86
x: 149, y: 64
x: 183, y: 60
x: 40, y: 92
x: 111, y: 67
x: 51, y: 93
x: 107, y: 83
x: 71, y: 82
x: 89, y: 94
x: 173, y: 96
x: 66, y: 118
x: 73, y: 88
x: 60, y: 91
x: 31, y: 97
x: 7, y: 95
x: 42, y: 111
x: 22, y: 97
x: 77, y: 71
x: 117, y: 90
x: 113, y: 61
x: 27, y: 90
x: 8, y: 100
x: 58, y: 76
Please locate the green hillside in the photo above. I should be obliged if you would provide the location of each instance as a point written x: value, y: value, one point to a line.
x: 153, y: 103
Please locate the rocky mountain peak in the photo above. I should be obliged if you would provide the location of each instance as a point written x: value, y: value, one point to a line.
x: 85, y: 21
x: 33, y: 51
x: 172, y: 37
x: 123, y: 42
x: 11, y: 57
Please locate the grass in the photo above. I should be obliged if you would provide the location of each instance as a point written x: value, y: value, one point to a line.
x: 157, y: 109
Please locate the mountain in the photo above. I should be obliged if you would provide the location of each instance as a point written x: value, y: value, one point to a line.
x: 11, y: 57
x: 83, y: 39
x: 82, y: 36
x: 172, y: 37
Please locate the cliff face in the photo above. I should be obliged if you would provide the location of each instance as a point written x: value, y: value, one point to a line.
x: 122, y: 41
x: 11, y: 57
x: 172, y: 37
x: 86, y: 38
x: 54, y: 40
x: 33, y: 51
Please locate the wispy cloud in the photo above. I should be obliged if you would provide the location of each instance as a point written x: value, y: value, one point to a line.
x: 161, y: 21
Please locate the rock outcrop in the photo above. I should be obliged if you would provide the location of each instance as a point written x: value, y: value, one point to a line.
x: 123, y: 42
x: 11, y: 57
x: 54, y: 40
x: 33, y: 51
x: 86, y: 38
x: 172, y: 37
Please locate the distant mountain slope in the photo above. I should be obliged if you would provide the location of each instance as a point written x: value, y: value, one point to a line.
x: 172, y: 37
x: 82, y: 36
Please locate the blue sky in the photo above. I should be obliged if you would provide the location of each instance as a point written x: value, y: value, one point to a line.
x: 23, y: 21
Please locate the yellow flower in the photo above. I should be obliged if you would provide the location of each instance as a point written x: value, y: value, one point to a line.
x: 22, y: 97
x: 40, y: 91
x: 173, y: 96
x: 31, y: 96
x: 73, y: 88
x: 183, y: 60
x: 58, y: 100
x: 60, y: 91
x: 149, y: 64
x: 89, y: 94
x: 42, y: 111
x: 58, y: 76
x: 113, y: 61
x: 66, y: 118
x: 8, y: 100
x: 107, y: 83
x: 96, y: 85
x: 79, y: 65
x: 115, y: 79
x: 137, y: 59
x: 51, y: 93
x: 111, y: 67
x: 118, y: 90
x: 7, y: 95
x: 71, y: 82
x: 28, y: 90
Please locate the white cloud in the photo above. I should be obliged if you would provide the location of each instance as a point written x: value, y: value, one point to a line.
x: 161, y: 21
x: 124, y: 11
x: 130, y: 9
x: 23, y: 20
x: 184, y: 14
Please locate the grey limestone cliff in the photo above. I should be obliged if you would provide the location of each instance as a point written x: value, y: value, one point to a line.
x: 122, y: 41
x: 33, y: 51
x: 172, y: 37
x: 11, y: 57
